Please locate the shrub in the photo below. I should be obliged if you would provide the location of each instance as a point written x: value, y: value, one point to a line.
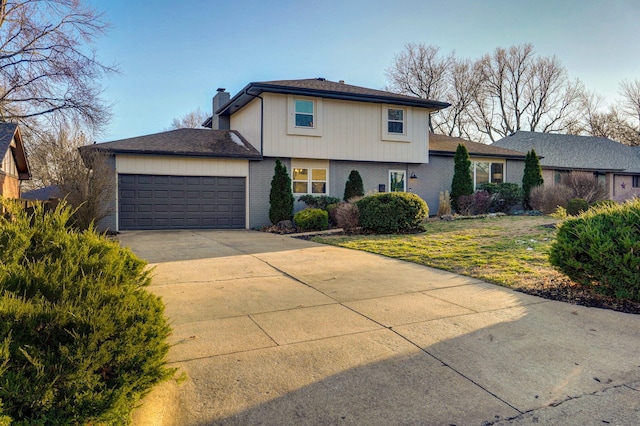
x: 477, y: 203
x: 318, y: 201
x: 354, y: 186
x: 444, y: 209
x: 504, y: 195
x: 280, y: 197
x: 462, y: 182
x: 331, y: 210
x: 599, y: 249
x: 532, y: 176
x: 585, y: 185
x: 347, y: 216
x: 577, y: 206
x: 311, y: 219
x: 547, y: 199
x: 389, y: 212
x: 85, y: 340
x: 604, y: 203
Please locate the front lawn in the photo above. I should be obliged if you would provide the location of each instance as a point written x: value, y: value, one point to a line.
x: 510, y: 250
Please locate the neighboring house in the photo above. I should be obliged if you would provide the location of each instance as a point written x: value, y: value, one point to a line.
x: 616, y: 165
x: 43, y: 194
x: 320, y: 130
x: 14, y: 167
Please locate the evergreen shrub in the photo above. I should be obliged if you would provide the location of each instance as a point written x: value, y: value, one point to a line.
x: 599, y: 249
x: 281, y: 195
x: 504, y: 196
x: 354, y: 186
x: 390, y: 212
x: 577, y: 206
x: 318, y: 201
x: 462, y: 182
x: 82, y: 339
x: 311, y: 220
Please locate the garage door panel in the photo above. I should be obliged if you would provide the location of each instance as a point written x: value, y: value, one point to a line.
x: 181, y: 202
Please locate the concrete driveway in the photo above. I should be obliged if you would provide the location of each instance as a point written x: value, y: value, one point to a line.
x: 274, y: 330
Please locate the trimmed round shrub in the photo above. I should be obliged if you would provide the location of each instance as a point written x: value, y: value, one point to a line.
x: 390, y: 212
x: 82, y: 339
x: 599, y: 249
x: 311, y: 220
x: 577, y: 206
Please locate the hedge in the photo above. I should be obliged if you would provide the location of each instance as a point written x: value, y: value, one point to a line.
x: 390, y: 212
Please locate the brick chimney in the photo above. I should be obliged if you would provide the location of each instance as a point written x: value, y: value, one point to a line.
x: 220, y: 99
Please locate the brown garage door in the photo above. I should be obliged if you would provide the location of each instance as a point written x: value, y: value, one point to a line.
x: 181, y: 202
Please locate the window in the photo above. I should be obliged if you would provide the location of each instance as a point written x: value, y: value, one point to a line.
x: 309, y: 181
x: 487, y: 172
x: 395, y: 121
x: 304, y: 113
x: 635, y: 181
x: 397, y: 181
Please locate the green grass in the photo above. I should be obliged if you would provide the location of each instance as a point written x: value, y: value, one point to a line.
x: 510, y: 250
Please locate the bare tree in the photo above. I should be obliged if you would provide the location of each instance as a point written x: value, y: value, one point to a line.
x: 611, y: 122
x: 191, y: 120
x: 630, y: 92
x: 500, y: 93
x: 420, y: 71
x: 85, y: 181
x: 47, y: 64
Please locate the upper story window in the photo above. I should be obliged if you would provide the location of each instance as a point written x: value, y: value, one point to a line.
x: 304, y: 116
x: 395, y: 121
x: 635, y: 181
x: 304, y: 113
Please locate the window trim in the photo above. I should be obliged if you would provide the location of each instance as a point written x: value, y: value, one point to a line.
x: 292, y: 129
x: 407, y: 115
x: 404, y: 180
x: 309, y: 182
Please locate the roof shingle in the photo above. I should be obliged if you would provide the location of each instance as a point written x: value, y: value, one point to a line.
x: 447, y: 145
x: 575, y: 152
x: 185, y: 142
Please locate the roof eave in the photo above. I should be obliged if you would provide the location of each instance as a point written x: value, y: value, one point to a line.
x: 181, y: 154
x: 245, y: 96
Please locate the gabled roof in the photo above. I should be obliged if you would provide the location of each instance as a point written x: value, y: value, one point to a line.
x: 323, y: 88
x: 9, y: 132
x: 572, y: 152
x: 447, y: 146
x: 184, y: 142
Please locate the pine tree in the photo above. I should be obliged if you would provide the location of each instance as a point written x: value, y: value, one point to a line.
x: 354, y: 186
x: 532, y: 176
x: 281, y: 197
x: 462, y: 183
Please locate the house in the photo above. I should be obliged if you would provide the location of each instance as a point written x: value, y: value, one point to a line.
x: 220, y: 176
x: 616, y: 165
x: 14, y: 167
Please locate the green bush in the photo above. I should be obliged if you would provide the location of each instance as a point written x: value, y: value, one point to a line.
x: 318, y: 201
x: 85, y: 340
x: 281, y: 195
x: 604, y: 203
x: 354, y: 186
x: 504, y: 195
x: 311, y: 219
x: 577, y: 206
x: 600, y: 249
x: 462, y: 182
x: 390, y: 212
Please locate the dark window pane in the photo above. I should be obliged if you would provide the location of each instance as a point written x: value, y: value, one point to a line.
x: 396, y: 114
x: 303, y: 120
x: 396, y: 127
x: 318, y: 187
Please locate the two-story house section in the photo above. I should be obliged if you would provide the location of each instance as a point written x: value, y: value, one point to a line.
x: 220, y: 176
x: 321, y: 130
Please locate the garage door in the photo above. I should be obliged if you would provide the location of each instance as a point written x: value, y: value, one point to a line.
x: 181, y: 202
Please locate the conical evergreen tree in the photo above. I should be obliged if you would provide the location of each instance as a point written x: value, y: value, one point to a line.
x: 462, y: 183
x: 532, y: 176
x: 281, y: 196
x: 354, y: 186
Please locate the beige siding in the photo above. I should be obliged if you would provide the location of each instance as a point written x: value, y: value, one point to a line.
x: 346, y: 131
x: 181, y: 166
x: 248, y: 122
x: 8, y: 163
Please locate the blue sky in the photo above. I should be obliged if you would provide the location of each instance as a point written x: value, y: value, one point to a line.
x: 173, y: 55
